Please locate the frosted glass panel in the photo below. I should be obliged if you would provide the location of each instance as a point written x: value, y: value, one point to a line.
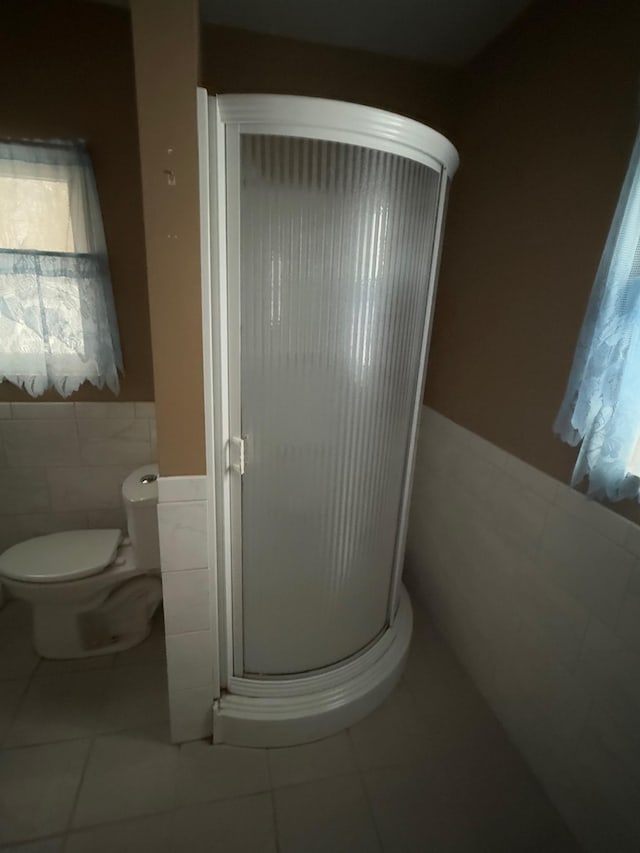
x: 336, y: 243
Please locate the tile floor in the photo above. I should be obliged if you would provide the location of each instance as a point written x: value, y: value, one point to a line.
x: 86, y: 767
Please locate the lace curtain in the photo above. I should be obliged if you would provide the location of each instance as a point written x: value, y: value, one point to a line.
x: 58, y: 326
x: 601, y: 407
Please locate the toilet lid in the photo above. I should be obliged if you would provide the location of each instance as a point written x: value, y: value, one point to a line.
x: 59, y: 557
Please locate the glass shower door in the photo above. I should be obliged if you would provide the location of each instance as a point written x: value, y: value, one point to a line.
x: 335, y: 249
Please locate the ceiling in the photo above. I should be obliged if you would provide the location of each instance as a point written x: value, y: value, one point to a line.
x: 447, y: 32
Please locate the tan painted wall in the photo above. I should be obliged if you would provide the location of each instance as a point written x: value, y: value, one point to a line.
x: 233, y: 61
x: 66, y: 70
x: 547, y: 130
x: 239, y: 61
x: 166, y: 46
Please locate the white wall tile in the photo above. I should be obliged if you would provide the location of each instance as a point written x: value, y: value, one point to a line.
x: 153, y: 439
x: 8, y: 534
x: 615, y: 785
x: 173, y: 489
x: 518, y: 516
x: 186, y: 601
x: 542, y: 707
x: 107, y: 519
x: 190, y: 659
x: 39, y: 524
x: 484, y: 448
x: 632, y: 539
x: 552, y: 614
x: 594, y: 514
x: 532, y: 478
x: 105, y: 410
x: 594, y: 823
x: 41, y: 437
x: 122, y: 442
x: 191, y: 713
x: 23, y: 490
x: 40, y: 443
x: 145, y: 410
x: 628, y: 627
x: 621, y: 736
x: 183, y: 535
x: 191, y: 646
x: 538, y: 591
x: 610, y: 670
x: 587, y: 564
x: 83, y: 489
x: 42, y: 411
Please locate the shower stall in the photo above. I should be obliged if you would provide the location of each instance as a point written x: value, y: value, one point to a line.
x: 321, y: 228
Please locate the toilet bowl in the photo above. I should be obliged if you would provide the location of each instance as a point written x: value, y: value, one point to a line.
x: 92, y: 592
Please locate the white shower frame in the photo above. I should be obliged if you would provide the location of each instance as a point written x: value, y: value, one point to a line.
x: 277, y: 712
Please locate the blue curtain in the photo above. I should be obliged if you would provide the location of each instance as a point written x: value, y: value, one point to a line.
x: 601, y: 408
x: 58, y: 325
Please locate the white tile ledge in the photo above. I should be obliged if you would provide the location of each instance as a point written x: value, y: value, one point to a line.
x: 178, y: 489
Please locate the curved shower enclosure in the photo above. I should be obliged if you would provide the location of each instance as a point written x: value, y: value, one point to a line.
x: 322, y: 224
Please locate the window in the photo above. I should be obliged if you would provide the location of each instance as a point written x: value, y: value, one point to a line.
x: 58, y: 325
x: 601, y: 409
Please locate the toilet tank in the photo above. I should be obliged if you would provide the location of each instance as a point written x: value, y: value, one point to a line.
x: 140, y: 498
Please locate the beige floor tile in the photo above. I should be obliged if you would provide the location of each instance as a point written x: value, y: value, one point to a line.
x: 324, y: 817
x: 478, y: 797
x: 61, y: 707
x: 243, y: 825
x: 50, y: 668
x: 11, y: 692
x: 46, y: 845
x: 440, y: 774
x: 505, y: 806
x: 413, y: 815
x: 521, y: 818
x: 17, y: 657
x: 332, y: 756
x: 140, y: 835
x: 136, y: 696
x: 393, y: 734
x: 39, y: 785
x: 129, y: 774
x: 148, y: 653
x: 438, y: 683
x: 207, y: 772
x: 15, y: 619
x: 17, y: 661
x: 563, y: 842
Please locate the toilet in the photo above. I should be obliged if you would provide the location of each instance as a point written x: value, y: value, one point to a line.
x: 92, y: 592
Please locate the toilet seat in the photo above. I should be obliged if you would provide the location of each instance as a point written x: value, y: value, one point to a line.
x: 60, y: 557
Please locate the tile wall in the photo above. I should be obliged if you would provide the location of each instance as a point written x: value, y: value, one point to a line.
x: 190, y: 638
x: 538, y: 591
x: 62, y: 467
x: 62, y: 464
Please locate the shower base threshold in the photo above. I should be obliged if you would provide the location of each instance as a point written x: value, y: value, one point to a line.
x: 294, y: 711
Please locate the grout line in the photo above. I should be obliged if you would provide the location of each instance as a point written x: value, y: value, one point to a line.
x: 17, y: 710
x: 83, y: 772
x: 26, y: 843
x: 22, y: 700
x: 274, y: 811
x: 324, y: 778
x: 363, y: 786
x: 171, y: 810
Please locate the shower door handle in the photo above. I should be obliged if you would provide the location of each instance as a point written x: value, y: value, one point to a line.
x: 237, y: 450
